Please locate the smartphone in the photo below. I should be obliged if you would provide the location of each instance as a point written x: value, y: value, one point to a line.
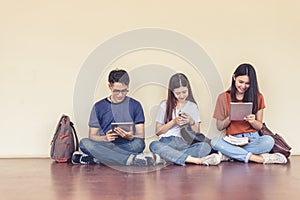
x: 179, y: 113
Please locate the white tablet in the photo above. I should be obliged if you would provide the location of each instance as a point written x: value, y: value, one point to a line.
x: 239, y: 110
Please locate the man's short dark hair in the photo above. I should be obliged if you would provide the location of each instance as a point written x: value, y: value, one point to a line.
x: 118, y: 75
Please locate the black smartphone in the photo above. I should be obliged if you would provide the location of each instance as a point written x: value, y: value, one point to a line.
x: 179, y: 113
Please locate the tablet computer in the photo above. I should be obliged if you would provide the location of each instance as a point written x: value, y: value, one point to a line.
x: 240, y: 110
x: 126, y: 126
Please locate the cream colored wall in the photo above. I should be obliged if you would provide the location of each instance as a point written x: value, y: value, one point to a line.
x: 45, y: 43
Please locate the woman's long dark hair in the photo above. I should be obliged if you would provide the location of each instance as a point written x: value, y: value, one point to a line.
x: 176, y: 81
x: 251, y: 94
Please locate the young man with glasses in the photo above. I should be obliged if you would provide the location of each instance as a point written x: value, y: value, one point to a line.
x: 118, y: 146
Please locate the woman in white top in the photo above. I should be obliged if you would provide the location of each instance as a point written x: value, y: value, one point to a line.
x: 180, y: 109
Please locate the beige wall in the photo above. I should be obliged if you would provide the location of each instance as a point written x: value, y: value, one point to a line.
x: 45, y: 43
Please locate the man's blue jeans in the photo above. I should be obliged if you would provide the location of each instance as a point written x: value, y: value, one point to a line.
x: 258, y: 145
x: 174, y: 149
x: 116, y: 152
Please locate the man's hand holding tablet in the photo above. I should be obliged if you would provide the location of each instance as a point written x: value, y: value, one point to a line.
x: 123, y: 129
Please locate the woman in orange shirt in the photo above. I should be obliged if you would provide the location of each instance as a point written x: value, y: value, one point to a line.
x: 244, y: 88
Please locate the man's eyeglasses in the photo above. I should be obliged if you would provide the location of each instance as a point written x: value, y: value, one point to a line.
x: 122, y: 91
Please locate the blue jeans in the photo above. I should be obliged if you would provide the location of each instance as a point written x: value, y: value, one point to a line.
x: 174, y: 149
x: 258, y: 145
x: 116, y: 152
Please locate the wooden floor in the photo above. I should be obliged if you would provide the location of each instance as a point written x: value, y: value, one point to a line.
x: 43, y: 179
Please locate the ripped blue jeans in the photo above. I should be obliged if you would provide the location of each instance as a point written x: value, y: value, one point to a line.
x: 257, y: 145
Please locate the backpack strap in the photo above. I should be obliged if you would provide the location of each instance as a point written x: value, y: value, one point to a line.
x: 75, y: 134
x: 56, y: 130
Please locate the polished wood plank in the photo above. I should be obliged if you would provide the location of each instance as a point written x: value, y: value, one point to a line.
x: 45, y: 179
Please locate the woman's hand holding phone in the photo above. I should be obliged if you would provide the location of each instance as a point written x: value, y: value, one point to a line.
x: 183, y: 119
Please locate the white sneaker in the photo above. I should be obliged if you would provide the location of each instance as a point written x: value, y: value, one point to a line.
x: 157, y: 159
x: 83, y: 159
x: 277, y: 158
x: 143, y: 159
x: 223, y: 157
x: 212, y: 159
x: 76, y: 157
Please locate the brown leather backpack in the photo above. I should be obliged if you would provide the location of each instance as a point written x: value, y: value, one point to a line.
x: 280, y: 145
